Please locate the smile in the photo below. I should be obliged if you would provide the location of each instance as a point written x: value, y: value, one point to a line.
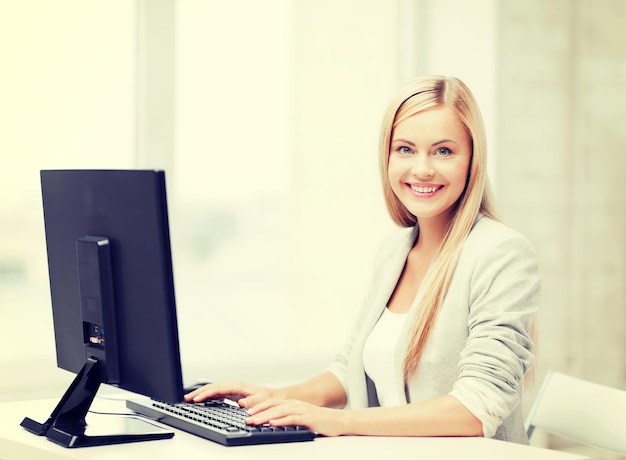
x: 424, y: 189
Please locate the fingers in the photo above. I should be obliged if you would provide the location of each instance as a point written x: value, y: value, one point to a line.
x: 267, y: 406
x: 229, y: 390
x: 275, y: 412
x: 320, y: 420
x: 253, y: 400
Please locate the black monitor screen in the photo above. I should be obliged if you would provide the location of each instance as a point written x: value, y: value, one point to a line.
x: 127, y: 210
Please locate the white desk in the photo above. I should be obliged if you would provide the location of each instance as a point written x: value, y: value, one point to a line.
x: 17, y: 443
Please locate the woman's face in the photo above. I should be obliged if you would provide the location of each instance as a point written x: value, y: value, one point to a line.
x: 429, y: 162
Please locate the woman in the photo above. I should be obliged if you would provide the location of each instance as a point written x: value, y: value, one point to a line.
x: 443, y: 340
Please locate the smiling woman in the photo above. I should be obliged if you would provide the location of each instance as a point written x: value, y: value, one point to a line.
x: 429, y: 162
x: 443, y: 340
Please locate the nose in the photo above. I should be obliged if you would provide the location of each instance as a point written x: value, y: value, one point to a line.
x: 422, y: 167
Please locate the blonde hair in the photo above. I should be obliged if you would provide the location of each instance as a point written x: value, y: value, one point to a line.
x: 416, y: 96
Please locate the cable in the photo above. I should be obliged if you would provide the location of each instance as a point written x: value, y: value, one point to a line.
x: 124, y: 414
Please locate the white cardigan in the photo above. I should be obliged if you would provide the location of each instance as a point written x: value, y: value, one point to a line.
x: 480, y: 346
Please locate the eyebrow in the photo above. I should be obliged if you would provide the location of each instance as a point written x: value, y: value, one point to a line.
x: 434, y: 144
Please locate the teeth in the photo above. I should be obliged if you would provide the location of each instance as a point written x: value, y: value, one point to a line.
x: 423, y: 189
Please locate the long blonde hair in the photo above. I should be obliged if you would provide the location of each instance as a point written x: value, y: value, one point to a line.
x: 416, y: 96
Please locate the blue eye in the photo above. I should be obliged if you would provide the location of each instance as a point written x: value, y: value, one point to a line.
x: 443, y: 151
x: 404, y: 150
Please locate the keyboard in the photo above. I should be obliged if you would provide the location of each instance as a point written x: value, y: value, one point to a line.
x: 219, y: 421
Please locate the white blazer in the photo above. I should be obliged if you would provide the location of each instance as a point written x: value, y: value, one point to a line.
x: 480, y: 346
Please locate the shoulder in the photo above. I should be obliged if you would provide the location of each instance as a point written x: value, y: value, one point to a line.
x: 496, y: 258
x: 493, y: 247
x: 490, y: 235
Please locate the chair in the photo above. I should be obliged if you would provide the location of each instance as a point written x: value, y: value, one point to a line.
x: 585, y: 412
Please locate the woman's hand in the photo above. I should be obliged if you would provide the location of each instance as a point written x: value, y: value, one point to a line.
x: 283, y: 412
x: 245, y: 394
x: 324, y: 390
x: 268, y: 405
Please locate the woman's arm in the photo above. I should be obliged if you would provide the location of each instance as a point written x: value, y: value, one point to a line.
x: 505, y: 290
x: 442, y: 416
x: 316, y: 404
x: 323, y: 390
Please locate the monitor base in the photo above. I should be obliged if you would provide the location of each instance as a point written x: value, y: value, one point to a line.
x: 67, y: 426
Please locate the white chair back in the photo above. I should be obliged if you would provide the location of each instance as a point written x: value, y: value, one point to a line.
x: 586, y: 412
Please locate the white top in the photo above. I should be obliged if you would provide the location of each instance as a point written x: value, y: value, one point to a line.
x: 379, y: 360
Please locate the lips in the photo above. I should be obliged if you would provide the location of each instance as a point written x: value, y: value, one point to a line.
x: 425, y: 189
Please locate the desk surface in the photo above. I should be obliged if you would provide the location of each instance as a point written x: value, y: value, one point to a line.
x: 17, y: 443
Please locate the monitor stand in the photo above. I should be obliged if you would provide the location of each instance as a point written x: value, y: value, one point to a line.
x: 67, y: 425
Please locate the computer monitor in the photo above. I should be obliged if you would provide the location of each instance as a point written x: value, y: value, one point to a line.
x: 112, y: 292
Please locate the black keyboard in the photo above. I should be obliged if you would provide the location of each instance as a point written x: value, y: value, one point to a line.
x: 219, y: 421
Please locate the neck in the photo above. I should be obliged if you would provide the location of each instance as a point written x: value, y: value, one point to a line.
x: 431, y: 232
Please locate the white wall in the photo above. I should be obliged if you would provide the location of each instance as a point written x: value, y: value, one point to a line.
x: 66, y: 100
x: 276, y: 209
x: 276, y: 168
x: 232, y: 181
